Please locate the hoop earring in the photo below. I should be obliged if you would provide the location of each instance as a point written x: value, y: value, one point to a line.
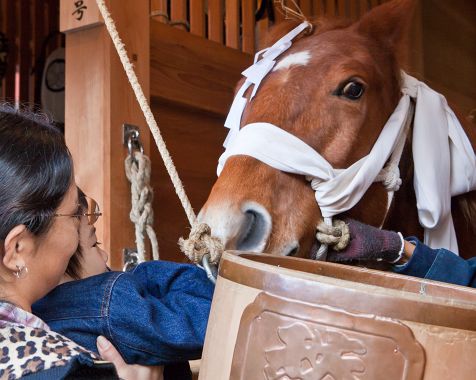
x: 21, y: 272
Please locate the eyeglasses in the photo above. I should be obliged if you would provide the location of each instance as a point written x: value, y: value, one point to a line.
x: 90, y: 210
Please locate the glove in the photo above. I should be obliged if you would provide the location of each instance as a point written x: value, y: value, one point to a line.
x: 366, y: 243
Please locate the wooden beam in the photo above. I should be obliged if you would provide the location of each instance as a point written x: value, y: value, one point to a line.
x: 215, y: 20
x: 353, y: 10
x: 341, y: 8
x: 248, y: 8
x: 232, y: 23
x: 197, y: 17
x: 99, y: 100
x: 178, y: 17
x: 374, y: 3
x: 318, y: 8
x: 306, y: 7
x: 364, y: 7
x: 182, y: 73
x: 158, y: 11
x: 330, y: 8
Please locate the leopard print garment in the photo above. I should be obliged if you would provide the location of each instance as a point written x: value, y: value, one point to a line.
x: 25, y: 350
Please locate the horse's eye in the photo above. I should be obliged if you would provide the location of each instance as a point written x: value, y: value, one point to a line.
x: 352, y: 90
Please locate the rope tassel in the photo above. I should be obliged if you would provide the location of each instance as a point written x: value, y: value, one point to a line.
x: 138, y: 170
x: 200, y: 242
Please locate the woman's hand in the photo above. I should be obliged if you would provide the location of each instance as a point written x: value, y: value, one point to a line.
x: 369, y: 244
x: 127, y: 371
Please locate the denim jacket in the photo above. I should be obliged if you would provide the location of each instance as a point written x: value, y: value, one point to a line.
x: 439, y: 264
x: 154, y: 315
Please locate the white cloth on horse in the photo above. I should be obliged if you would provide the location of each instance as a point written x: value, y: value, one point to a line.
x: 263, y: 63
x: 444, y: 163
x: 439, y: 142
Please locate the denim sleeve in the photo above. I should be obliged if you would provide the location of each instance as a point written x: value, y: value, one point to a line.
x: 438, y: 264
x: 159, y: 313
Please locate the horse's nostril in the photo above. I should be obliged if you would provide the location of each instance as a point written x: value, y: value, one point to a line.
x: 251, y: 234
x: 255, y: 230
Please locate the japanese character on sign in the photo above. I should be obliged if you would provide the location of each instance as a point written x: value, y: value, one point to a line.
x: 80, y: 8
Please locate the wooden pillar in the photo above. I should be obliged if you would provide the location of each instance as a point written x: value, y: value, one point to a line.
x: 99, y: 100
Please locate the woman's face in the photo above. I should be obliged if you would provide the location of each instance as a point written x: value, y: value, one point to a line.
x: 94, y: 259
x: 54, y: 249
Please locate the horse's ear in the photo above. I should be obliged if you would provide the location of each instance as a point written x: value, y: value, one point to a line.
x: 389, y: 23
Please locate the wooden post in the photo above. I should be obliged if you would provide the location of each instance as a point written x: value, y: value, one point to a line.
x: 99, y: 100
x: 197, y: 17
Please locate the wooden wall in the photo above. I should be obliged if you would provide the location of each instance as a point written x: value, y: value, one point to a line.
x: 449, y: 50
x: 27, y: 25
x: 192, y: 84
x: 232, y: 22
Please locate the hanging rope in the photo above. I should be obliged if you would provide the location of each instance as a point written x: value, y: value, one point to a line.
x: 138, y: 168
x: 288, y: 12
x: 195, y: 255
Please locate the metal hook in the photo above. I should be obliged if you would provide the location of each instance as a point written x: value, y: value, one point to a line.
x: 133, y: 143
x: 131, y: 139
x: 210, y: 269
x: 130, y: 259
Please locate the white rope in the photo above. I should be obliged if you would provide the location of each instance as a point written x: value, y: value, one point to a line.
x: 390, y: 174
x: 142, y: 214
x: 149, y: 117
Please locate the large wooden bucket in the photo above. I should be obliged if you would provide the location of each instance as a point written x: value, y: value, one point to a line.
x: 288, y: 318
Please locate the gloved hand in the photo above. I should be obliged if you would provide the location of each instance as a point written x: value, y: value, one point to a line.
x: 366, y: 243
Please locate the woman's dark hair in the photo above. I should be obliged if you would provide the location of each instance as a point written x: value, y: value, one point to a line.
x: 36, y: 170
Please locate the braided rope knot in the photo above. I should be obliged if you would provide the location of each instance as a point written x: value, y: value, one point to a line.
x: 390, y: 177
x: 337, y: 235
x: 200, y: 242
x: 138, y: 169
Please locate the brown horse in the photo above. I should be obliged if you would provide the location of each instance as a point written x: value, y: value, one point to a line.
x: 337, y: 100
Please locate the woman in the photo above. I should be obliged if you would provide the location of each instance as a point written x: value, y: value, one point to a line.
x: 39, y: 222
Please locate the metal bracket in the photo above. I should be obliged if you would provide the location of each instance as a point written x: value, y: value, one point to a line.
x: 129, y: 132
x: 130, y: 259
x: 131, y: 138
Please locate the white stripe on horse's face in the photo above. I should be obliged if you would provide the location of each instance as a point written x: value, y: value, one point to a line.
x: 299, y: 59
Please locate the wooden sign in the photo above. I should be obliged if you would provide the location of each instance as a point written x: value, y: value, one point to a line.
x: 78, y: 14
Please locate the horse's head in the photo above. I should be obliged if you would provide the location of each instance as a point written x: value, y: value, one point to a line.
x: 334, y: 89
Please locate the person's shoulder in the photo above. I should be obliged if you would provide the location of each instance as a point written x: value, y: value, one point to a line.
x: 103, y: 279
x: 26, y: 350
x: 171, y: 268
